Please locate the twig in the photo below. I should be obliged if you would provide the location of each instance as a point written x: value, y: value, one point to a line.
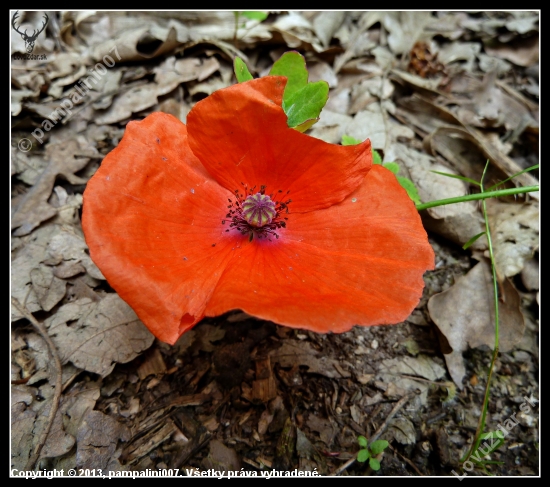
x: 411, y: 464
x: 404, y: 400
x: 379, y: 431
x: 58, y: 381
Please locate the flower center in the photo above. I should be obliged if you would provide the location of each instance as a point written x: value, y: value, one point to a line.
x: 256, y: 214
x: 259, y: 210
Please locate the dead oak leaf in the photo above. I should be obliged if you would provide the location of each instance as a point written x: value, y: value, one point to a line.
x: 65, y: 158
x: 515, y: 234
x: 48, y: 288
x: 465, y: 316
x: 97, y: 440
x: 68, y: 247
x: 26, y: 257
x: 401, y: 372
x: 299, y: 352
x: 95, y: 336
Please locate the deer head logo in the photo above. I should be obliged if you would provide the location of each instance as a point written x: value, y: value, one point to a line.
x: 29, y: 39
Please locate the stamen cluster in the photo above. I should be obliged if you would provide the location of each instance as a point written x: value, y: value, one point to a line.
x: 257, y: 214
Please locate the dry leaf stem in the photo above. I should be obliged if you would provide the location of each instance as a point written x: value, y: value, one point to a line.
x: 58, y: 380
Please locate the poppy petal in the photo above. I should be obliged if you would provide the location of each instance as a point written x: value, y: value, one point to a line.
x: 359, y: 262
x: 152, y: 220
x: 240, y: 135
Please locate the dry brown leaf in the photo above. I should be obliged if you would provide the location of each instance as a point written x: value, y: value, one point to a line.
x: 465, y: 315
x: 27, y: 167
x: 325, y: 25
x: 530, y: 275
x: 58, y: 442
x: 321, y: 71
x: 48, y: 288
x: 405, y: 28
x: 495, y: 108
x: 97, y: 336
x: 106, y: 88
x: 322, y: 426
x: 297, y: 31
x: 24, y: 259
x: 522, y: 52
x: 458, y: 222
x: 22, y: 422
x: 401, y: 430
x: 301, y: 352
x: 132, y: 101
x: 220, y: 457
x: 374, y: 123
x: 68, y: 248
x: 429, y: 85
x: 368, y: 91
x: 330, y: 127
x: 515, y: 234
x: 140, y: 42
x: 17, y: 100
x: 394, y: 371
x: 459, y: 51
x: 172, y: 72
x: 97, y: 439
x: 65, y: 158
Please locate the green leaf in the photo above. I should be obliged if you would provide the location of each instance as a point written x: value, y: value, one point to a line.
x: 374, y: 464
x: 457, y: 176
x: 472, y: 240
x: 363, y: 455
x: 410, y: 188
x: 255, y: 15
x: 241, y: 70
x: 376, y: 157
x: 306, y: 103
x: 392, y: 166
x: 348, y: 140
x: 362, y: 441
x: 378, y: 446
x: 306, y: 125
x: 292, y: 65
x: 532, y: 168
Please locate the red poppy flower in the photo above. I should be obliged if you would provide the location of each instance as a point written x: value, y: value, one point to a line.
x: 238, y: 211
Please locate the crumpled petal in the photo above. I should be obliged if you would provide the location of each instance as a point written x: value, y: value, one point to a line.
x: 356, y: 263
x: 152, y: 220
x: 353, y: 250
x: 240, y: 135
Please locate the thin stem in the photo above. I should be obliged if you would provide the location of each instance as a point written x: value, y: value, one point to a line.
x: 477, y: 196
x: 58, y: 381
x: 482, y: 419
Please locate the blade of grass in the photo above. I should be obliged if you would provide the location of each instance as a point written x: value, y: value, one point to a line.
x: 472, y: 240
x: 532, y: 168
x: 456, y: 176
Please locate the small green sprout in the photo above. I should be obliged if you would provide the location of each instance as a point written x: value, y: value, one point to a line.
x: 369, y: 452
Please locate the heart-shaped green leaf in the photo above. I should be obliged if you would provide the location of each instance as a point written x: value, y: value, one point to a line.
x: 363, y: 455
x: 306, y: 103
x: 292, y: 65
x: 378, y: 446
